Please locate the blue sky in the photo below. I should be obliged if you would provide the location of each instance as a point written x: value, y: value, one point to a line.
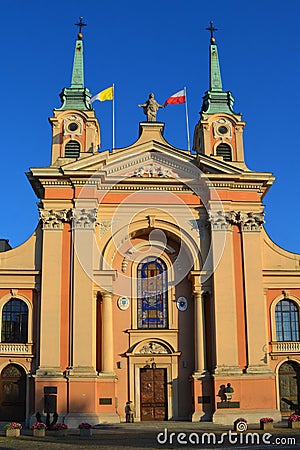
x: 158, y: 46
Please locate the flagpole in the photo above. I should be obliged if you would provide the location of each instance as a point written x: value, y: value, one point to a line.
x: 187, y: 121
x: 113, y: 118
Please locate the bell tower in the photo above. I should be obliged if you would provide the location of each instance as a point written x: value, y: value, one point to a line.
x: 219, y: 132
x: 75, y: 128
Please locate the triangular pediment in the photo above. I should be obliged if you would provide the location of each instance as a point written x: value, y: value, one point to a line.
x: 149, y: 160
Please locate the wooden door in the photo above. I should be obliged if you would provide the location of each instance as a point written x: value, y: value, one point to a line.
x: 289, y: 383
x: 153, y: 394
x: 13, y: 394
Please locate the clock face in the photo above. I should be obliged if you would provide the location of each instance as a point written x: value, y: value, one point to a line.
x: 182, y: 303
x: 222, y: 129
x: 73, y: 126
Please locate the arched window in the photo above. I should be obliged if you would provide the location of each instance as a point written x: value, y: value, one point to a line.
x: 225, y: 151
x: 14, y: 321
x: 72, y: 149
x: 152, y: 293
x: 287, y: 321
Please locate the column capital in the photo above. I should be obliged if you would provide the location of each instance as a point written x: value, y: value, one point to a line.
x: 248, y: 221
x: 53, y: 219
x: 85, y: 218
x: 251, y: 221
x: 221, y: 220
x: 106, y: 295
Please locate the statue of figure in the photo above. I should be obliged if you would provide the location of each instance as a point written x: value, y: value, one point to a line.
x: 150, y: 108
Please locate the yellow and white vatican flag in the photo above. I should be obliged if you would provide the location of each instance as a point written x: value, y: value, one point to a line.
x: 106, y: 94
x: 102, y: 96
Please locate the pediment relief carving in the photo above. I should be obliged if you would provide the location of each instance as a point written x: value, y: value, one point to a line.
x: 153, y: 348
x: 153, y: 170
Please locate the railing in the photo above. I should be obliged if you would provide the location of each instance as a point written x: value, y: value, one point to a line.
x: 16, y: 349
x: 285, y: 347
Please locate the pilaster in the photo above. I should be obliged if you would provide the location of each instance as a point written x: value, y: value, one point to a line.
x: 251, y: 225
x: 107, y: 334
x: 53, y: 223
x: 83, y: 300
x: 224, y: 293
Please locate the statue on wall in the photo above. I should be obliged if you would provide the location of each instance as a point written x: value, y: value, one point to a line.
x: 150, y: 108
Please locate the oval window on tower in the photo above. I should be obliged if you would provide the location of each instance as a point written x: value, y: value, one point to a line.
x: 73, y: 126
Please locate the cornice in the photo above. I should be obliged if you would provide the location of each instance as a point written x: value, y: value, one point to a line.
x: 281, y: 272
x: 20, y: 272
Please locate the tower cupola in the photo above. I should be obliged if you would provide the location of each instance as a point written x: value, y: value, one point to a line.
x: 75, y: 128
x: 77, y: 96
x: 219, y: 131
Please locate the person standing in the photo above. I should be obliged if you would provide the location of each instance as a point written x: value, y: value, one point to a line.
x: 131, y: 411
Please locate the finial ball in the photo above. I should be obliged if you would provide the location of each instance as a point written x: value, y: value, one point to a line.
x: 79, y: 35
x: 212, y: 40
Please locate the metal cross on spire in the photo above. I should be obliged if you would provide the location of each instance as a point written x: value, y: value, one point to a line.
x: 211, y: 28
x: 80, y: 24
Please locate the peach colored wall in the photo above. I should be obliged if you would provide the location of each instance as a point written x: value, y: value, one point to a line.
x: 258, y: 393
x: 61, y: 385
x: 82, y: 395
x: 239, y: 196
x: 145, y: 198
x: 28, y: 293
x: 106, y: 389
x: 203, y: 388
x: 185, y: 321
x: 58, y: 193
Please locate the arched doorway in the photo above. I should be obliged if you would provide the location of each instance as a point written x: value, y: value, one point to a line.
x: 13, y: 393
x: 289, y: 388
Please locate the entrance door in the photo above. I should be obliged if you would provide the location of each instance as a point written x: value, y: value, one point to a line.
x: 289, y: 388
x: 153, y: 394
x: 12, y: 394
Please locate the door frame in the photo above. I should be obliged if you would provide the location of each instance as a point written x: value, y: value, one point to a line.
x: 167, y: 359
x: 165, y: 386
x: 278, y: 382
x: 26, y: 387
x: 171, y: 400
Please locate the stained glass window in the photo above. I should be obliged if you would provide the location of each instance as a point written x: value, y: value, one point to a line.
x: 14, y: 322
x: 287, y: 321
x: 152, y: 293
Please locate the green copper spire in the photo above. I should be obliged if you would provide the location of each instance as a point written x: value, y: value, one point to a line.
x: 216, y: 100
x: 77, y: 96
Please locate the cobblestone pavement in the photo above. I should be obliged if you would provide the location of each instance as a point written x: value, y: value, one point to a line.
x: 158, y: 435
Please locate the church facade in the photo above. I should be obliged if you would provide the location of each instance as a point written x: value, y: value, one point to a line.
x: 149, y: 278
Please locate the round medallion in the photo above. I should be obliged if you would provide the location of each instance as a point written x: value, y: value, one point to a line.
x: 123, y: 303
x: 182, y: 303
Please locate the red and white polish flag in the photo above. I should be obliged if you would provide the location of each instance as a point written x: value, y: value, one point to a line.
x: 176, y: 99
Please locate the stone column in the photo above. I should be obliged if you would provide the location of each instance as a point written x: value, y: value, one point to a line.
x: 199, y: 330
x: 83, y: 299
x: 226, y: 340
x: 199, y: 340
x: 251, y: 225
x: 53, y: 223
x: 107, y: 333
